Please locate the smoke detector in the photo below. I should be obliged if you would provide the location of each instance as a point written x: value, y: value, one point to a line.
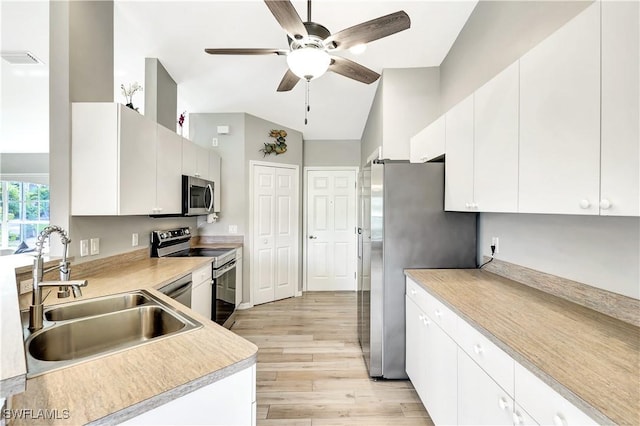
x: 20, y: 58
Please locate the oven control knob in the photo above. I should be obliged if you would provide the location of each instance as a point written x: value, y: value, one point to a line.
x: 163, y: 236
x: 186, y: 231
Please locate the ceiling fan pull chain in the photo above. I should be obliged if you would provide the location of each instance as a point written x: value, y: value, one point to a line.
x: 307, y: 108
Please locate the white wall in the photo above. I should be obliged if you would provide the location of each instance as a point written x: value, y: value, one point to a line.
x: 331, y: 153
x: 600, y: 251
x: 372, y: 133
x: 24, y: 122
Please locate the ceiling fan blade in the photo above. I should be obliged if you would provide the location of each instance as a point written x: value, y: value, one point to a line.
x: 288, y: 82
x: 287, y: 17
x: 370, y: 30
x: 240, y: 51
x: 352, y: 70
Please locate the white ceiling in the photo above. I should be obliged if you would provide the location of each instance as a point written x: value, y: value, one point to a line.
x: 177, y: 32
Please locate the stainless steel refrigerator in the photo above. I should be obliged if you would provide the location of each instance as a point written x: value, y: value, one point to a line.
x: 402, y: 224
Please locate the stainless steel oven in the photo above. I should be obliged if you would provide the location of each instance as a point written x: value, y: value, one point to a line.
x: 176, y: 243
x: 197, y: 196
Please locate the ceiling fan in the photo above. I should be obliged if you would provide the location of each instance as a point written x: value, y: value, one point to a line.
x: 311, y: 45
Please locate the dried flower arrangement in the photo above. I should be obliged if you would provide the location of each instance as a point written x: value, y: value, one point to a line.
x: 129, y: 92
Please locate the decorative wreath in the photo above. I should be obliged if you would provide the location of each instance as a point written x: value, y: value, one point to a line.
x: 279, y: 146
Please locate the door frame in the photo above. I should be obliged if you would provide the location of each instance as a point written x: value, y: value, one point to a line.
x: 305, y: 210
x: 249, y: 240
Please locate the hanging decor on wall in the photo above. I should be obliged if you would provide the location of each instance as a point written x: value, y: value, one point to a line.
x: 279, y: 146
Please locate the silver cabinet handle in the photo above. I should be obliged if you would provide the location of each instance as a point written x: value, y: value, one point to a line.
x: 313, y: 237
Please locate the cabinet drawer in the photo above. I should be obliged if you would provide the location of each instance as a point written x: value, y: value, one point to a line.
x: 497, y: 363
x: 418, y: 294
x: 201, y: 275
x: 544, y: 404
x: 443, y: 316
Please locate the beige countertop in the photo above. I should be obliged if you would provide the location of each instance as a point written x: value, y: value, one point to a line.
x: 122, y: 385
x: 590, y: 358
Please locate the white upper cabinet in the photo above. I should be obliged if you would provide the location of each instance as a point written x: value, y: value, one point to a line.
x: 195, y: 160
x: 560, y: 120
x: 495, y: 167
x: 459, y: 157
x: 113, y: 169
x: 620, y: 152
x: 168, y: 174
x: 429, y: 143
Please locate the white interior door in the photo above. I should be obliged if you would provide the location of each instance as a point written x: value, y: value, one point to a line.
x: 275, y: 233
x: 331, y: 225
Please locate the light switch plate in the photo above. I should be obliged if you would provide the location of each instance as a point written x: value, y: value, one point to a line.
x: 95, y: 246
x: 233, y: 229
x: 214, y: 142
x: 84, y: 248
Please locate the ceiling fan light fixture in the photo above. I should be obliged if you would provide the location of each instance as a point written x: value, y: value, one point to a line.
x: 308, y: 62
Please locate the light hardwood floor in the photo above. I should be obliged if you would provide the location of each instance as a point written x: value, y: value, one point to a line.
x: 311, y: 370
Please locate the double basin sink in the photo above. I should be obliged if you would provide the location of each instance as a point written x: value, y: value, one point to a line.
x: 79, y: 331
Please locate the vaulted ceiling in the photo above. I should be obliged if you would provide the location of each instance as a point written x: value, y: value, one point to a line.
x: 177, y: 32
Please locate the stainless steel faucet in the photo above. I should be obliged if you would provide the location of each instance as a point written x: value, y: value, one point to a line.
x: 36, y: 308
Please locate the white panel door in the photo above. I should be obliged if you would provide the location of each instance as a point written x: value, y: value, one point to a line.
x: 274, y: 268
x: 264, y: 233
x: 620, y: 151
x: 286, y: 227
x: 560, y: 120
x: 331, y: 224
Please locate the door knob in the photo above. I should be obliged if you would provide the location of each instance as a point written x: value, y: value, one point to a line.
x: 313, y: 237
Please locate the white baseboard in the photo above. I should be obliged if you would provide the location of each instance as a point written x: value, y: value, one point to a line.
x: 244, y: 306
x: 299, y: 293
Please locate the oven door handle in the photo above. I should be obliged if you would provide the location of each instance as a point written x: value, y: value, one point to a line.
x: 219, y: 272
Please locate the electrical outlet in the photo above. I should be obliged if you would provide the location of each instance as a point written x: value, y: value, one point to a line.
x: 233, y: 229
x: 84, y: 248
x: 95, y: 246
x: 214, y: 142
x: 134, y: 240
x: 26, y: 286
x: 495, y: 241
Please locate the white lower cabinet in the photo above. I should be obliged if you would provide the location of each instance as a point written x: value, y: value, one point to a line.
x: 201, y: 293
x: 227, y: 402
x: 480, y: 400
x: 544, y: 404
x: 463, y: 378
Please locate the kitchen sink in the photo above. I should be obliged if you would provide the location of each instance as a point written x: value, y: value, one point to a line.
x: 97, y: 306
x: 80, y: 331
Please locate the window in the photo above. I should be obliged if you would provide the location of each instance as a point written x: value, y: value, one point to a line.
x: 24, y: 208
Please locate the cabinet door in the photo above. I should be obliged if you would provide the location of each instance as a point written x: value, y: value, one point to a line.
x: 169, y: 171
x: 415, y: 357
x: 429, y: 143
x: 238, y: 276
x: 522, y: 418
x: 137, y: 163
x: 560, y: 120
x: 480, y: 400
x: 495, y: 168
x: 201, y: 295
x: 228, y: 402
x: 202, y: 163
x: 440, y: 375
x: 189, y: 155
x: 620, y: 151
x: 458, y: 194
x: 214, y: 175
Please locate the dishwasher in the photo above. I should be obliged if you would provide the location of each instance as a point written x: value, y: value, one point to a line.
x: 179, y: 290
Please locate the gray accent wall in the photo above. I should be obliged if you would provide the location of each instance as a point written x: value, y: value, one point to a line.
x: 372, y: 133
x: 160, y: 94
x: 331, y: 153
x: 603, y: 252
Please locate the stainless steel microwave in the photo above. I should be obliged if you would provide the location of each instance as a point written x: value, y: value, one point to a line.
x: 197, y: 196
